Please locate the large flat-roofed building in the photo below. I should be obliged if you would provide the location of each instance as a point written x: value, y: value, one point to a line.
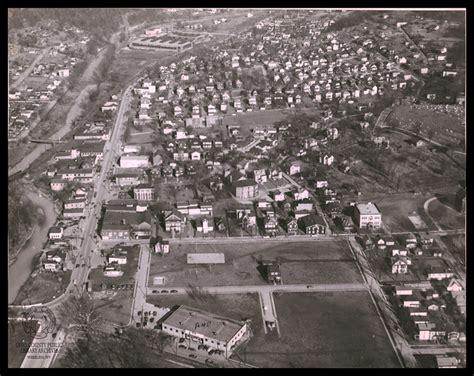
x: 166, y: 42
x: 368, y: 216
x: 200, y: 327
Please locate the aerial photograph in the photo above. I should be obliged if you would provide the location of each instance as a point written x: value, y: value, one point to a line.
x: 236, y: 188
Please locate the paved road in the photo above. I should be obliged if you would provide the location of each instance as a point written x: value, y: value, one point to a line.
x: 43, y: 352
x: 265, y: 289
x: 28, y: 70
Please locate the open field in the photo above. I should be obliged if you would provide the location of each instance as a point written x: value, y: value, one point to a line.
x: 457, y: 245
x: 18, y: 343
x: 395, y: 211
x: 129, y: 62
x: 116, y: 309
x: 439, y: 127
x: 43, y: 287
x: 302, y: 262
x: 446, y: 216
x: 250, y: 120
x: 323, y: 330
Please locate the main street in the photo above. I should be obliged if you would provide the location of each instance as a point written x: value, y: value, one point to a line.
x: 79, y: 275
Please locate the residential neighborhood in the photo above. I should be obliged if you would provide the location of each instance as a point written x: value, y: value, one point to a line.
x: 277, y: 188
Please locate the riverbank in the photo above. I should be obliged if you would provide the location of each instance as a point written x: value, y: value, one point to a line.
x: 20, y: 269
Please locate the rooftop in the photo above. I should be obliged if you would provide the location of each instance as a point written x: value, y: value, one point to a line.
x: 204, y: 323
x: 367, y: 209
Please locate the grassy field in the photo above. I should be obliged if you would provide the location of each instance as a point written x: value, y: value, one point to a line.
x: 395, y: 210
x: 324, y: 330
x: 437, y: 126
x: 446, y: 216
x: 457, y: 245
x: 302, y: 262
x: 18, y: 343
x: 116, y: 309
x: 43, y: 287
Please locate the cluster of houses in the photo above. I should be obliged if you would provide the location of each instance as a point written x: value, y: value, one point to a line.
x: 411, y: 252
x: 427, y: 310
x: 27, y: 100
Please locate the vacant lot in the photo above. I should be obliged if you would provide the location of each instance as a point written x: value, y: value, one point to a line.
x: 302, y: 262
x: 434, y: 125
x: 250, y: 120
x: 129, y: 62
x: 324, y: 330
x: 395, y: 210
x: 43, y: 287
x: 18, y: 343
x: 116, y: 309
x: 446, y: 216
x: 457, y: 246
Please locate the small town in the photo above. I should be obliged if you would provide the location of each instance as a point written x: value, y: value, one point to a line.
x: 237, y: 188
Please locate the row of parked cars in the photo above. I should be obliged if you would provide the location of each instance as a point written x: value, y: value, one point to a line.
x: 164, y: 291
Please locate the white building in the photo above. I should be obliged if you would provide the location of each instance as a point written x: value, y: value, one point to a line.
x: 134, y: 161
x: 368, y: 215
x: 202, y: 328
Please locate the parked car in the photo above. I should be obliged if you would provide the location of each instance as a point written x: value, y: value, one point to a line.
x: 164, y: 291
x: 183, y: 346
x: 174, y: 291
x: 155, y: 291
x: 194, y: 356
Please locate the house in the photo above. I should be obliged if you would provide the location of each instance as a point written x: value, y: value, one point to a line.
x: 53, y: 260
x: 368, y: 216
x: 305, y: 204
x: 144, y: 192
x: 112, y: 271
x: 56, y: 233
x: 271, y: 225
x: 75, y: 203
x: 292, y: 226
x: 443, y: 361
x: 273, y: 273
x: 301, y: 194
x: 454, y: 286
x: 118, y: 256
x: 399, y: 265
x: 204, y: 225
x: 278, y: 196
x: 439, y: 273
x: 295, y: 168
x: 245, y: 188
x: 428, y: 332
x: 312, y: 224
x: 174, y: 222
x: 403, y: 291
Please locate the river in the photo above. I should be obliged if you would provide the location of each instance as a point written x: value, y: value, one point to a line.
x: 21, y: 269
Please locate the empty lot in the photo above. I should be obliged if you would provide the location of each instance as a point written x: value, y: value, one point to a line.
x: 323, y: 330
x: 301, y: 262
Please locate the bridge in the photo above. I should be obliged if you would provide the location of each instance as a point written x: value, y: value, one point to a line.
x: 45, y: 141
